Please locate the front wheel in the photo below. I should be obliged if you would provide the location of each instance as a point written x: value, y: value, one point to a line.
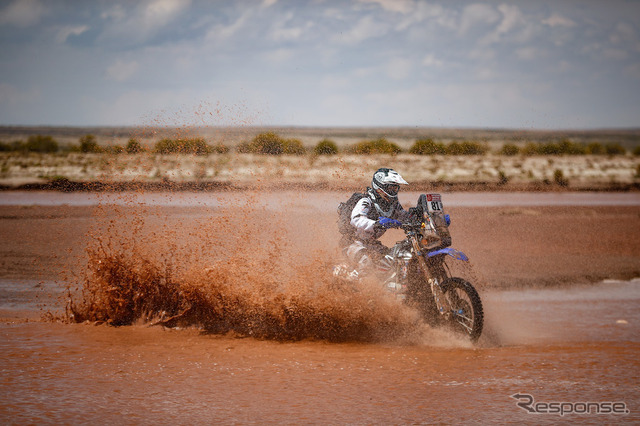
x: 467, y: 316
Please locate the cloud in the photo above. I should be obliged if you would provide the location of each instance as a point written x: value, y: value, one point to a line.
x: 431, y: 61
x: 65, y: 32
x: 512, y: 18
x: 283, y: 31
x: 22, y: 13
x: 121, y: 71
x: 556, y: 20
x: 222, y: 32
x: 477, y: 15
x: 352, y: 50
x: 400, y: 6
x: 364, y: 29
x: 514, y: 23
x: 624, y: 33
x: 142, y: 23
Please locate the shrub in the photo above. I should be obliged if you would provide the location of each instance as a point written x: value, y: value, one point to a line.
x: 466, y: 148
x: 377, y: 146
x: 264, y: 143
x: 270, y: 143
x: 503, y: 179
x: 636, y: 151
x: 326, y: 147
x: 134, y: 146
x: 563, y: 147
x: 530, y: 148
x: 88, y: 144
x: 12, y: 146
x: 558, y: 178
x: 293, y: 146
x: 595, y: 148
x: 219, y: 148
x: 614, y: 149
x: 196, y: 146
x: 41, y: 143
x: 427, y: 147
x: 509, y: 149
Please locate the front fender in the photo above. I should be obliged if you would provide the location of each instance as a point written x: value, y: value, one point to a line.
x: 456, y: 254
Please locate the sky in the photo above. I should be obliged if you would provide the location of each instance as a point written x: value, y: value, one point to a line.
x: 530, y: 64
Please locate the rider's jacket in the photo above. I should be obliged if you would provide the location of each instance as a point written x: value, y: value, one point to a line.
x: 366, y: 212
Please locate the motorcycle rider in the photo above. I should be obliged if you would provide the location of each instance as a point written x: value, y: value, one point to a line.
x: 376, y: 212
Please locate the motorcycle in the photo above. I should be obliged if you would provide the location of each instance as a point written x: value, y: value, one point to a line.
x: 416, y: 270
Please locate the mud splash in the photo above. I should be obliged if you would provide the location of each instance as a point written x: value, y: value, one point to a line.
x: 243, y: 271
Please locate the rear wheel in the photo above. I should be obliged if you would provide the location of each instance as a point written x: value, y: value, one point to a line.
x: 467, y: 316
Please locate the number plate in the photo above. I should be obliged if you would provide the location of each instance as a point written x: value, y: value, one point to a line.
x: 434, y: 203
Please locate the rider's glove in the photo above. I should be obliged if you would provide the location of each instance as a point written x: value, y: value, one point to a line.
x: 447, y: 219
x: 387, y: 223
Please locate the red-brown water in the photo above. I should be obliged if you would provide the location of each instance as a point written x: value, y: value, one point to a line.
x: 321, y: 355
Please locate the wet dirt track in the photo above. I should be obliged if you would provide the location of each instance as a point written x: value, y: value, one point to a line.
x: 578, y: 342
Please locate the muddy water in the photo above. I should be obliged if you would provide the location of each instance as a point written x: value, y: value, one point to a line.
x: 575, y: 344
x: 572, y: 345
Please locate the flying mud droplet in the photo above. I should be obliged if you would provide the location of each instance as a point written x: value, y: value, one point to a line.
x: 242, y: 269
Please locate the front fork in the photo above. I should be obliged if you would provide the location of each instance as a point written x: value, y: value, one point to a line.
x: 444, y: 308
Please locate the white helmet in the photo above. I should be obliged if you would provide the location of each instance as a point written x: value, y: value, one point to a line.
x: 386, y: 183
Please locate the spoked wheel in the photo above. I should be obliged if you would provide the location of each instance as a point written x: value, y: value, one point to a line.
x: 466, y: 308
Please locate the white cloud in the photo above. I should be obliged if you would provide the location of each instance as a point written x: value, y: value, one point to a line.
x: 556, y: 20
x: 364, y: 29
x: 400, y: 6
x: 116, y: 12
x: 158, y: 13
x: 22, y: 13
x: 623, y: 33
x: 144, y: 22
x: 221, y: 32
x: 477, y: 15
x: 514, y: 23
x: 65, y: 32
x: 431, y: 61
x: 283, y: 31
x: 511, y: 18
x: 121, y: 71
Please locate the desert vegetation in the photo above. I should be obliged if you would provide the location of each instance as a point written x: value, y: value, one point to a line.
x: 269, y: 155
x: 271, y: 143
